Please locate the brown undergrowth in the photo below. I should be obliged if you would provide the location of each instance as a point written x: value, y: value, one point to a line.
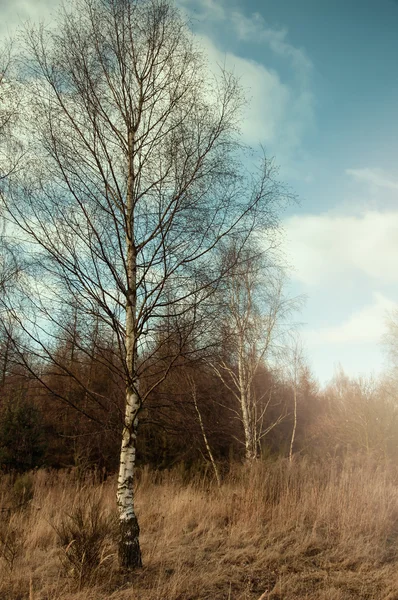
x: 275, y: 530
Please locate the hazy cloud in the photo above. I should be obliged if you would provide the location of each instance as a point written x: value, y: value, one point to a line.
x: 204, y: 9
x: 280, y: 110
x: 326, y: 247
x: 376, y: 177
x: 255, y: 29
x: 268, y: 96
x: 365, y: 325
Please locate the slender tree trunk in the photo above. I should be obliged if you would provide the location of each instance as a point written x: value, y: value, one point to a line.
x: 129, y: 544
x: 246, y: 426
x: 294, y: 422
x: 205, y: 438
x: 250, y: 453
x: 5, y: 361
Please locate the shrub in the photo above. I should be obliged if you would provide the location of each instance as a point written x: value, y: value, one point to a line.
x: 11, y: 542
x: 82, y: 535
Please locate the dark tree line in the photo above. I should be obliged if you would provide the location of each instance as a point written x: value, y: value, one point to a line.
x: 170, y: 431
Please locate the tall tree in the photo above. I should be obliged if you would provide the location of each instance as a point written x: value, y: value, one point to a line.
x: 254, y: 309
x: 132, y: 190
x: 295, y: 371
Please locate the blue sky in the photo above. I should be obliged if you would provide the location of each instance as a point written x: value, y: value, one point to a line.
x: 323, y: 78
x: 323, y: 82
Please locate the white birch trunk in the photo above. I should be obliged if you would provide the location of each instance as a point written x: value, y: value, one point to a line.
x: 204, y: 435
x: 250, y: 453
x: 129, y: 545
x: 5, y: 361
x: 296, y: 369
x: 294, y: 422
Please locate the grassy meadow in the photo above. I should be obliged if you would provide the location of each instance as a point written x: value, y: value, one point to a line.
x: 273, y: 531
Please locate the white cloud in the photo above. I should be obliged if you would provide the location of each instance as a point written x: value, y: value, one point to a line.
x: 255, y: 29
x: 265, y: 119
x: 375, y: 177
x: 366, y: 325
x: 251, y: 28
x: 280, y: 110
x: 324, y: 248
x: 269, y: 98
x: 207, y: 9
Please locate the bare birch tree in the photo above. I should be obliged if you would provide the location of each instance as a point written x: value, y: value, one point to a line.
x: 255, y: 308
x: 133, y: 186
x: 193, y: 390
x: 295, y: 369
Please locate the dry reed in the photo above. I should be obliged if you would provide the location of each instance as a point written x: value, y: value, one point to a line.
x: 275, y: 530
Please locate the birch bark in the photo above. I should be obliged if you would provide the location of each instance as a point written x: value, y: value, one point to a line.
x: 204, y: 435
x: 250, y: 449
x: 129, y: 545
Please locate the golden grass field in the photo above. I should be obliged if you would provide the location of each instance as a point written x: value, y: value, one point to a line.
x: 274, y: 531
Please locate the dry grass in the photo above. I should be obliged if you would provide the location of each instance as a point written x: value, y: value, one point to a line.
x: 275, y: 531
